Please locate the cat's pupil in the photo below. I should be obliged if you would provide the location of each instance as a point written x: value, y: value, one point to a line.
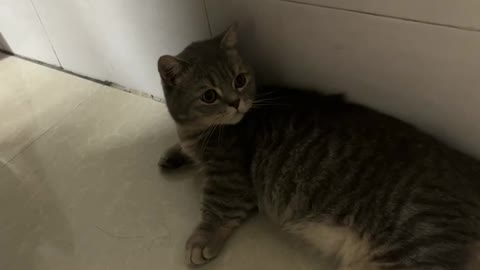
x: 209, y: 96
x: 240, y: 81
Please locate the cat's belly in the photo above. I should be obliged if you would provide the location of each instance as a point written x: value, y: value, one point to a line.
x: 353, y: 251
x: 330, y: 240
x: 294, y: 214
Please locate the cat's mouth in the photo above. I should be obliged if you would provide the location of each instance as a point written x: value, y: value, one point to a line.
x: 244, y: 106
x: 237, y: 117
x: 234, y: 116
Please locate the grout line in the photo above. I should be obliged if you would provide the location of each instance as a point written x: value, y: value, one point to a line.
x: 208, y: 17
x: 55, y: 67
x: 46, y: 33
x: 102, y: 82
x: 57, y: 123
x: 136, y: 92
x: 462, y: 28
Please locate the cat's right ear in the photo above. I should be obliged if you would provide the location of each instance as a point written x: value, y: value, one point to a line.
x: 229, y: 37
x: 170, y: 68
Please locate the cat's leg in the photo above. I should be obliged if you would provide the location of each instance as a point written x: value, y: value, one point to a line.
x: 174, y: 158
x: 228, y: 200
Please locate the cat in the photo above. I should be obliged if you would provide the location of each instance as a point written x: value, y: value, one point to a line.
x: 356, y: 184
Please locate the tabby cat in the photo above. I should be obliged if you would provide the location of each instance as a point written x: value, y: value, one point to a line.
x: 355, y: 183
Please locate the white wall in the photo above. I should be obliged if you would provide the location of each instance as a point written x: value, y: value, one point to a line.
x: 121, y: 40
x: 22, y: 31
x: 455, y: 13
x: 113, y: 40
x: 423, y: 73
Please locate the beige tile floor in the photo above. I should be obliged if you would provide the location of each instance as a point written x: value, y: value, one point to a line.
x: 80, y: 189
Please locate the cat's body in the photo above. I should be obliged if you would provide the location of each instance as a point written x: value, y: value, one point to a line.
x: 355, y: 183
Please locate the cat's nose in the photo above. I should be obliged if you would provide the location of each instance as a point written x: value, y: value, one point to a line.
x: 235, y: 103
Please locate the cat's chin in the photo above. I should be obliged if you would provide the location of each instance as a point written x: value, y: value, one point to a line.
x: 236, y: 118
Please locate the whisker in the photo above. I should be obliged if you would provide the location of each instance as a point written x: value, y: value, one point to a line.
x: 207, y: 139
x: 265, y: 101
x: 271, y: 104
x: 204, y: 136
x: 258, y: 106
x: 219, y: 134
x: 210, y: 131
x: 264, y: 94
x: 265, y: 98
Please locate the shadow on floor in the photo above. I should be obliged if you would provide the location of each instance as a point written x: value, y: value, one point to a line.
x: 4, y: 47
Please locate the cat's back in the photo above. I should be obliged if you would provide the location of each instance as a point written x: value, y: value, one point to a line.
x: 284, y: 114
x: 319, y: 159
x: 278, y: 107
x: 288, y: 113
x: 297, y: 129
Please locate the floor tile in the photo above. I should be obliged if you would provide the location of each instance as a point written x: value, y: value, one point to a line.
x: 32, y: 99
x: 88, y: 195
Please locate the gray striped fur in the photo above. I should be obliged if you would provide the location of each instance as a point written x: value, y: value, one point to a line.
x: 355, y: 183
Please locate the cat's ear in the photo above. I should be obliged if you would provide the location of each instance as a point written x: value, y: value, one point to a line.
x: 229, y: 37
x: 170, y: 68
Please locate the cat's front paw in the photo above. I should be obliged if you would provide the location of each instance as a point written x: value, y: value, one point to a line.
x: 174, y: 159
x: 170, y: 163
x: 202, y: 247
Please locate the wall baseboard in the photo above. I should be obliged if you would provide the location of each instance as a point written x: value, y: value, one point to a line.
x: 102, y: 82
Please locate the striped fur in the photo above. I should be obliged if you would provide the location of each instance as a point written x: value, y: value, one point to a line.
x: 355, y: 183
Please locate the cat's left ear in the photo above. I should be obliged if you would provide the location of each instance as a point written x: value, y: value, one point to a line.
x: 170, y: 68
x: 229, y: 37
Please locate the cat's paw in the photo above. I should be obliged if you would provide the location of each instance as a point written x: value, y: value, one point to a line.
x: 170, y: 163
x: 202, y: 247
x: 174, y: 159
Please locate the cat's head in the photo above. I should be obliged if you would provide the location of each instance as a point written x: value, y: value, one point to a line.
x: 208, y: 83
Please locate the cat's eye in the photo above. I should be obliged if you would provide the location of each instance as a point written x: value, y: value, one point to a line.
x: 240, y: 81
x: 209, y: 96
